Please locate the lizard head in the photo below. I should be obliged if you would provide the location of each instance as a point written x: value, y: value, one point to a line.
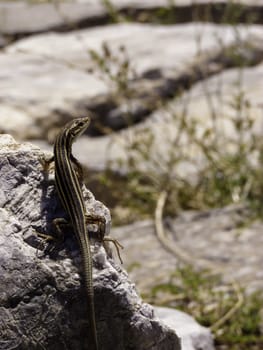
x: 77, y: 126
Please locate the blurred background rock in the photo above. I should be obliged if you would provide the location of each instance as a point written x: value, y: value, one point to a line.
x: 175, y: 145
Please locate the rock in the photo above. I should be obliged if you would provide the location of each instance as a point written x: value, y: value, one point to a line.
x: 147, y: 267
x: 42, y: 87
x: 213, y: 237
x: 218, y: 98
x: 24, y: 17
x: 42, y: 303
x: 3, y: 41
x: 32, y: 100
x: 72, y: 48
x: 193, y: 336
x: 217, y: 95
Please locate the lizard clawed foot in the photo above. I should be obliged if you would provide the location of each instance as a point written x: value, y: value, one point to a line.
x: 46, y: 238
x: 117, y: 245
x: 46, y: 162
x: 58, y: 234
x: 100, y: 221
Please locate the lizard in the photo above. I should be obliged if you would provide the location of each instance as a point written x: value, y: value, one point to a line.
x: 68, y: 186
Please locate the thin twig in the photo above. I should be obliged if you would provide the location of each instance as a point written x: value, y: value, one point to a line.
x: 186, y: 258
x: 167, y: 243
x: 240, y: 300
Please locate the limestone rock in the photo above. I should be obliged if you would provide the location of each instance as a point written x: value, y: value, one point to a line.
x: 22, y: 17
x: 223, y: 90
x: 193, y: 336
x: 25, y: 17
x: 42, y: 302
x: 208, y: 237
x: 42, y: 87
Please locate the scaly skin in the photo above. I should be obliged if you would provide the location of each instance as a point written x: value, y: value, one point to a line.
x: 70, y: 194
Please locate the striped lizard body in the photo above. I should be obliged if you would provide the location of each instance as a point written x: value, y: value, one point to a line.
x: 70, y: 194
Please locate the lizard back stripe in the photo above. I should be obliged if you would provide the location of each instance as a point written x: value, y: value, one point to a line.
x: 70, y: 194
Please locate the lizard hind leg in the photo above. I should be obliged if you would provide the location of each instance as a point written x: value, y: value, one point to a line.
x: 101, y: 222
x: 116, y: 243
x: 57, y: 234
x: 57, y: 225
x: 46, y: 162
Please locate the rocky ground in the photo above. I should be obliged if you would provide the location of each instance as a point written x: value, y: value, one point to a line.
x: 210, y: 237
x: 55, y: 64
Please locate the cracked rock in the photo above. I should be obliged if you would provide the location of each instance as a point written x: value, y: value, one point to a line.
x: 42, y: 299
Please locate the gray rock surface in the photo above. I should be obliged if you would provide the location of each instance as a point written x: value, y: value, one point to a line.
x: 22, y: 17
x: 46, y: 80
x: 42, y: 303
x: 223, y: 89
x: 42, y: 87
x: 210, y: 237
x: 25, y: 17
x: 193, y: 336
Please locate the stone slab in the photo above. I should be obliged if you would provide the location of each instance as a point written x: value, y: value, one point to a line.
x: 41, y: 88
x: 193, y: 335
x: 21, y: 17
x: 195, y: 103
x: 210, y: 103
x: 206, y: 237
x: 42, y: 283
x: 25, y: 17
x: 218, y: 95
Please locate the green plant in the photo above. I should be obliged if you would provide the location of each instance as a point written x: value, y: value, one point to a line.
x: 223, y: 159
x: 208, y: 299
x: 223, y: 153
x: 225, y: 166
x: 199, y: 164
x: 114, y: 67
x: 112, y: 11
